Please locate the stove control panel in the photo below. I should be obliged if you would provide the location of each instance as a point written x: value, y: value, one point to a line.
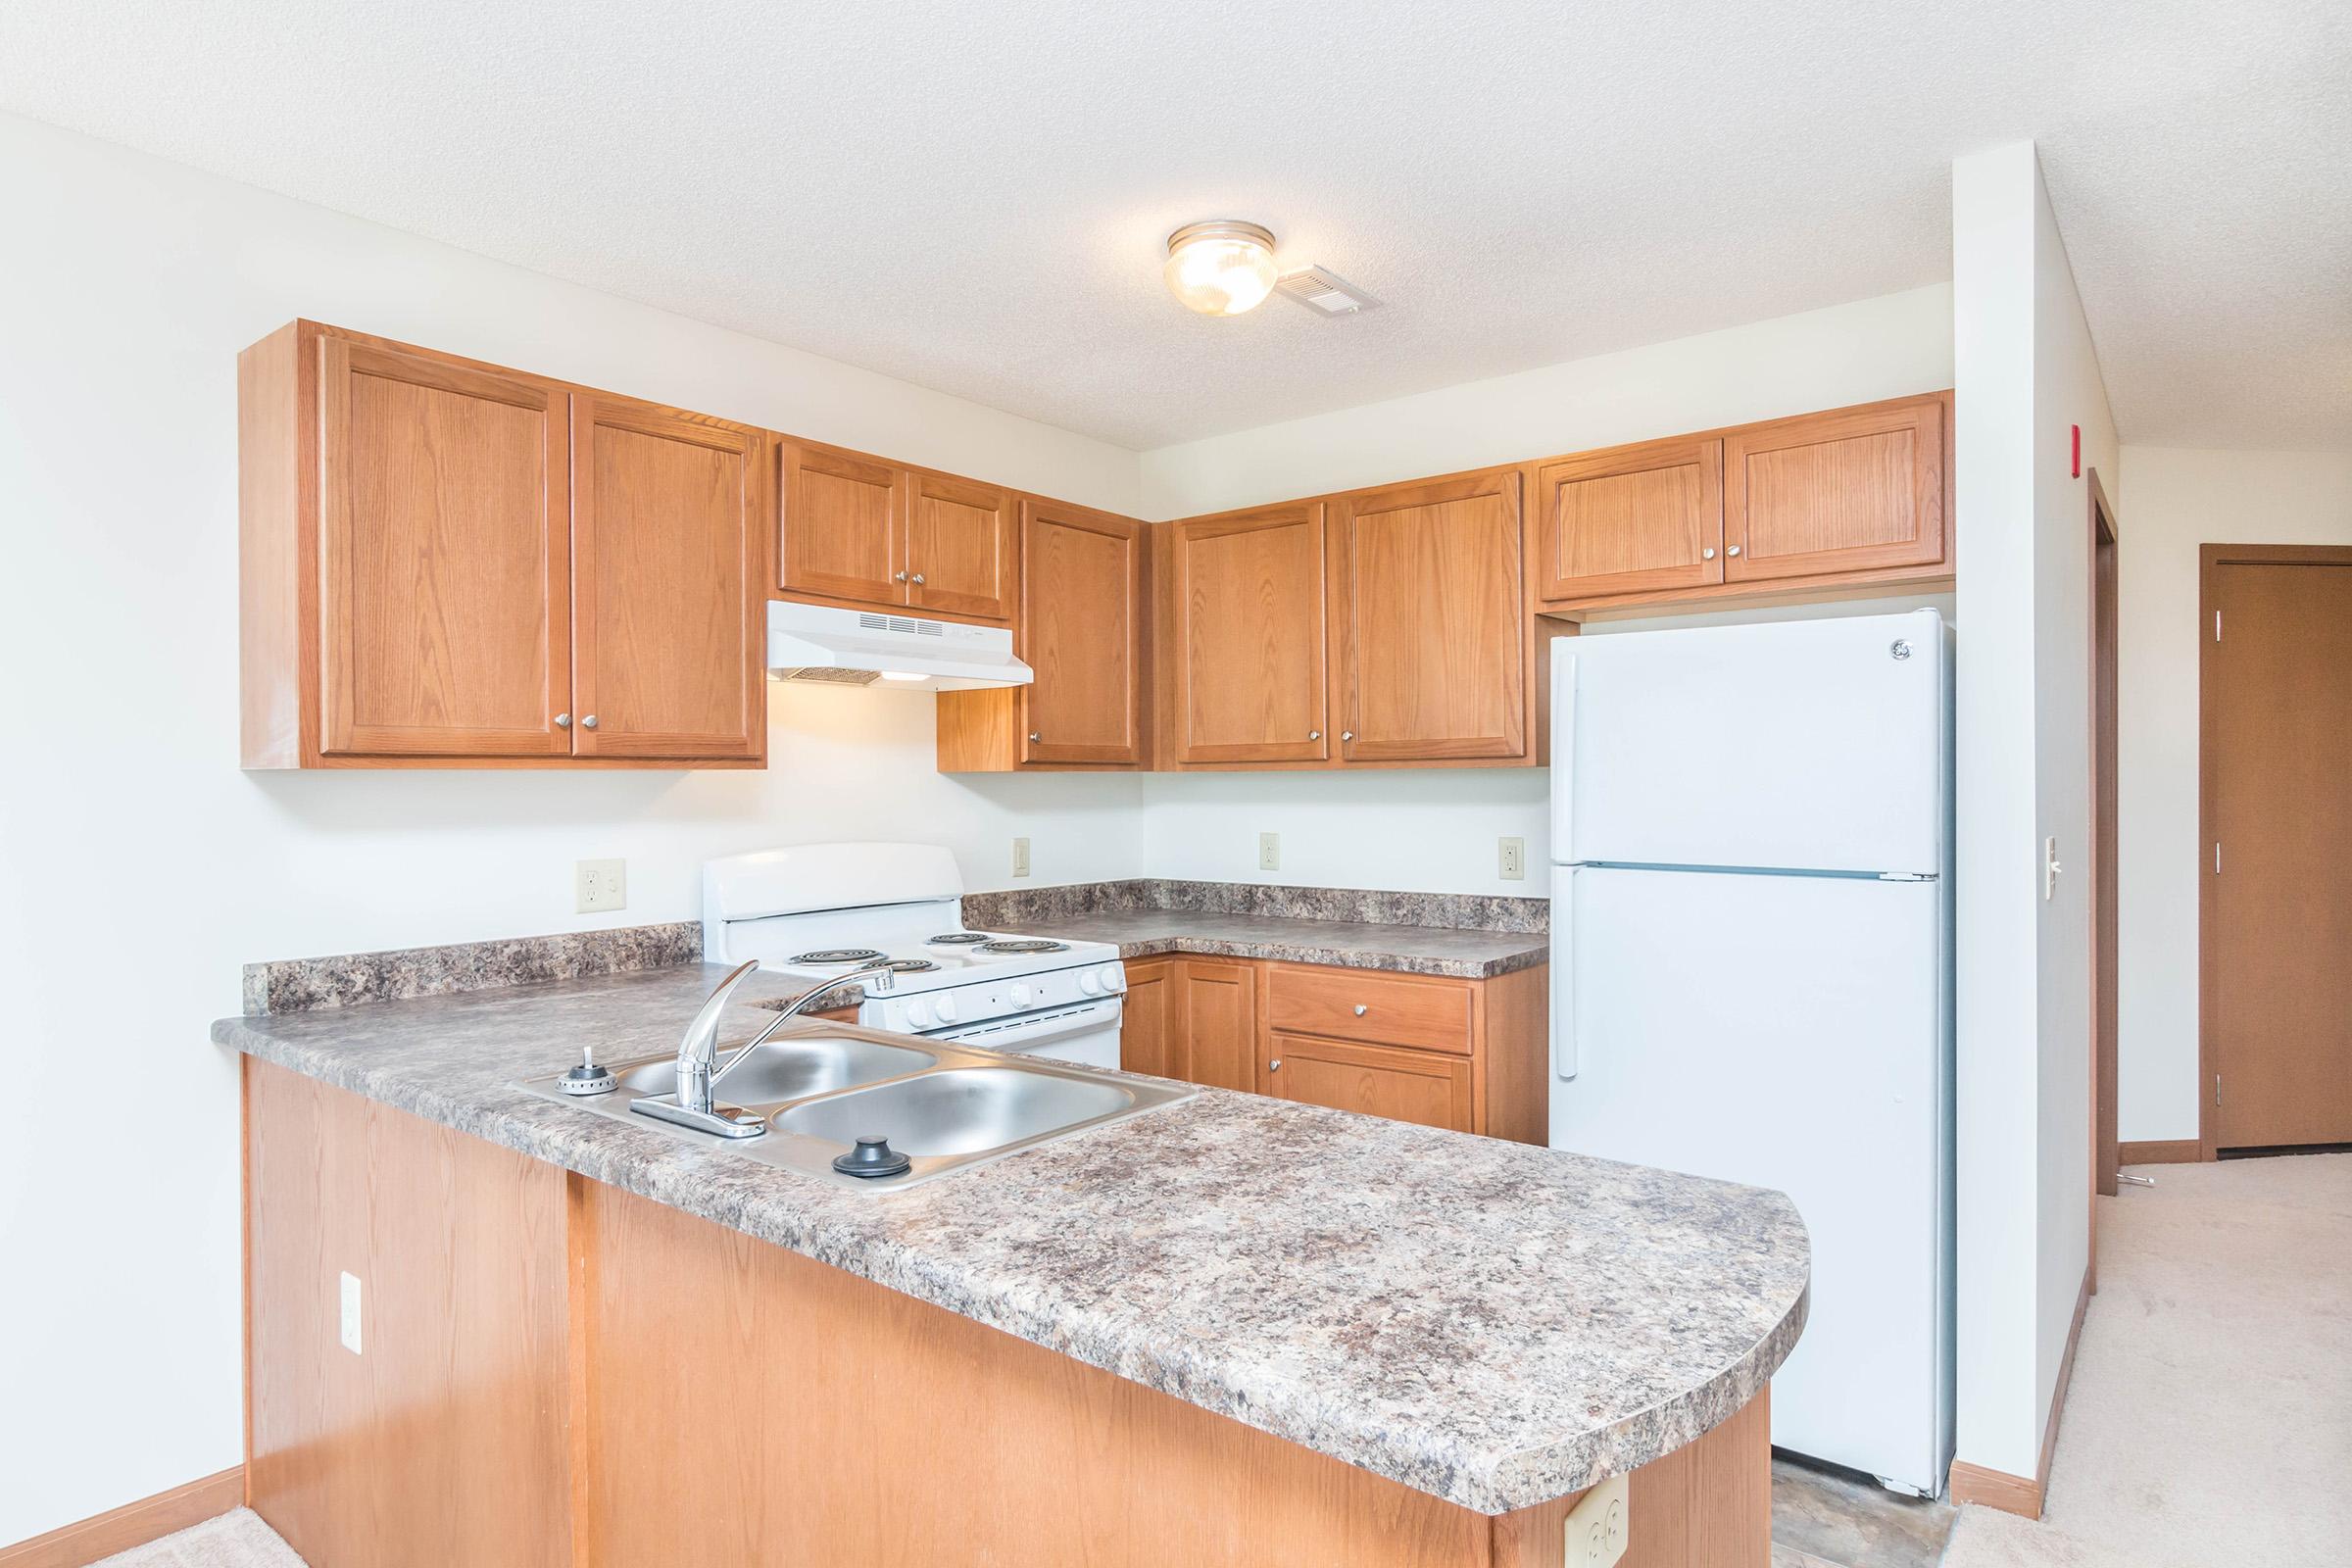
x: 981, y: 1001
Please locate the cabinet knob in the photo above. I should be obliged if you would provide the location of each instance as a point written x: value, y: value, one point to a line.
x: 897, y: 576
x: 562, y: 721
x: 1347, y: 734
x: 1035, y: 736
x: 1361, y: 1009
x: 919, y: 579
x: 1275, y: 1065
x: 1735, y: 550
x: 1315, y: 734
x: 589, y: 722
x: 1707, y: 553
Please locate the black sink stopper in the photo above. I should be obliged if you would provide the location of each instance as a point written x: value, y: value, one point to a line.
x: 590, y: 1077
x: 873, y: 1156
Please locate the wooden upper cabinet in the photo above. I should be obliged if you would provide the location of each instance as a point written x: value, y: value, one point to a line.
x: 1247, y: 636
x: 1431, y: 620
x: 843, y: 531
x: 1850, y: 490
x: 444, y: 557
x: 1081, y: 630
x: 960, y: 547
x: 669, y: 646
x: 1630, y: 520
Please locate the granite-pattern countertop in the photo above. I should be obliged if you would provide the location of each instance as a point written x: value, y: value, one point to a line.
x: 1349, y: 944
x: 1493, y: 1324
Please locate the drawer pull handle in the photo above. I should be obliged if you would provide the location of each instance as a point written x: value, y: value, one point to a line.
x: 1275, y: 1065
x: 1361, y: 1009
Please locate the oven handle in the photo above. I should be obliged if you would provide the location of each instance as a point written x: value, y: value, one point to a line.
x: 1039, y: 1028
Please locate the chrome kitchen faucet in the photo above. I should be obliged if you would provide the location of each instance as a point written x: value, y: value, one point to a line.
x: 692, y: 1105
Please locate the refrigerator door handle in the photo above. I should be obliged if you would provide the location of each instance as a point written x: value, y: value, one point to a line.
x: 1563, y: 974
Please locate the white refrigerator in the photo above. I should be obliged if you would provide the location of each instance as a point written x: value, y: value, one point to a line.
x: 1751, y: 975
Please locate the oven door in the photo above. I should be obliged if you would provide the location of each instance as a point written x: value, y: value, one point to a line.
x: 1085, y: 1032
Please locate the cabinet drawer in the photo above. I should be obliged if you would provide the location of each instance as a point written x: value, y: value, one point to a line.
x: 1430, y: 1013
x: 1415, y: 1086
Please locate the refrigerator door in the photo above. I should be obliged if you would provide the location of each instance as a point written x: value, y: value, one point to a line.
x: 1814, y: 744
x: 1784, y: 1032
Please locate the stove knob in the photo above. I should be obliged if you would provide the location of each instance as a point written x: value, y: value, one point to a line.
x: 1090, y: 983
x: 947, y: 1010
x: 918, y: 1015
x: 1114, y: 979
x: 1019, y: 992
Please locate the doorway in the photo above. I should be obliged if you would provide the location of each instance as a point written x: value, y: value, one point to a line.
x: 2104, y: 1074
x: 2275, y: 738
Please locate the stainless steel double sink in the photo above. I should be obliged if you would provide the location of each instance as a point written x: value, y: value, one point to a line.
x: 947, y: 1108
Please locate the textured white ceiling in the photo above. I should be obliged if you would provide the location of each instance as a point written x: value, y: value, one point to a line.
x: 974, y: 196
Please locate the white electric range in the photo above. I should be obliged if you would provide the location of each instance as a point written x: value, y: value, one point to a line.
x: 819, y: 911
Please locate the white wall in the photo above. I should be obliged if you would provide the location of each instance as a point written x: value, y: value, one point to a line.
x: 1853, y: 353
x: 2172, y: 501
x: 2026, y: 372
x: 139, y: 867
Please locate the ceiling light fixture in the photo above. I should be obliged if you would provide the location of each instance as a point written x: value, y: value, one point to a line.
x: 1221, y: 268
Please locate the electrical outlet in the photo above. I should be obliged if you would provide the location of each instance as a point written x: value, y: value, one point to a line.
x: 1020, y: 857
x: 1269, y: 852
x: 1514, y: 861
x: 1597, y: 1525
x: 347, y: 1327
x: 601, y: 885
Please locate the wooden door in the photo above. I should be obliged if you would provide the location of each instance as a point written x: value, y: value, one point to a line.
x: 1081, y: 602
x: 1431, y: 620
x: 444, y: 558
x: 960, y: 548
x: 668, y: 634
x: 2277, y: 803
x: 842, y: 526
x: 1249, y: 638
x: 1216, y: 1005
x: 1630, y: 520
x: 1147, y: 1025
x: 1850, y: 490
x: 1415, y: 1086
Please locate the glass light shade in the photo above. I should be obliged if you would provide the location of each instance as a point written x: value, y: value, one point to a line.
x: 1222, y: 268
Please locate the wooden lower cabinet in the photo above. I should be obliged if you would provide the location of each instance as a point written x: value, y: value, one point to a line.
x: 560, y: 1373
x: 1466, y: 1055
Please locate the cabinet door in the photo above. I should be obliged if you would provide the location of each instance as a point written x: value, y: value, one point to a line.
x: 1845, y: 491
x: 844, y: 526
x: 960, y: 548
x: 667, y: 635
x: 1416, y: 1086
x: 1249, y: 637
x: 1082, y: 589
x: 1218, y: 1006
x: 1148, y: 1022
x: 1630, y: 520
x: 444, y: 558
x: 1432, y: 621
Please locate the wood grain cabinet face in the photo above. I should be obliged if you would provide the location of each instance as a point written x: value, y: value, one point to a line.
x: 1082, y: 587
x: 1217, y: 1013
x: 842, y: 526
x: 1247, y: 640
x: 1415, y: 1086
x: 1431, y: 614
x: 444, y: 558
x: 960, y: 547
x: 1147, y: 1025
x: 668, y: 652
x: 1850, y: 490
x: 1630, y: 520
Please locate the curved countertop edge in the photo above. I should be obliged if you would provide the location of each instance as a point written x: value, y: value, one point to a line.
x: 653, y: 1167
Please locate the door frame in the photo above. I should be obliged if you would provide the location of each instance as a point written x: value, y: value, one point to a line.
x: 2211, y: 559
x: 2105, y: 990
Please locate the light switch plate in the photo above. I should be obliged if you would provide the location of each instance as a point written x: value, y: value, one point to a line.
x: 347, y: 1326
x: 1020, y: 857
x: 1513, y: 860
x: 1269, y: 852
x: 601, y: 885
x: 1597, y: 1525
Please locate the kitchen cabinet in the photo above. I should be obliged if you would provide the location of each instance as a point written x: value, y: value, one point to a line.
x: 1429, y: 620
x: 445, y: 563
x: 1247, y: 637
x: 1851, y: 490
x: 1148, y: 1027
x: 1630, y: 520
x: 1194, y: 1019
x: 1082, y: 629
x: 858, y: 530
x: 1416, y: 1086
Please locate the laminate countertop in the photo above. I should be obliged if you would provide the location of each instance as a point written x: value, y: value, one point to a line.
x: 1349, y: 944
x: 1490, y: 1323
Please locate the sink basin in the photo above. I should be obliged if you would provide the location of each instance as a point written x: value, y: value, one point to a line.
x: 957, y: 1110
x: 792, y: 1069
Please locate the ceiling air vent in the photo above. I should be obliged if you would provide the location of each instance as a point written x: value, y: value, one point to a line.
x: 1323, y: 292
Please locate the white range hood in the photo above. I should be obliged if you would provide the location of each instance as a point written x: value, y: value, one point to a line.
x: 875, y: 647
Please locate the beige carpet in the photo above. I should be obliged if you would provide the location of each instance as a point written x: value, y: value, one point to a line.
x: 2211, y: 1417
x: 236, y: 1538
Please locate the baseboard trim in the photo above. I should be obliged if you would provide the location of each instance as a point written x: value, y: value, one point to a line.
x: 1998, y: 1488
x: 134, y: 1524
x: 2161, y: 1151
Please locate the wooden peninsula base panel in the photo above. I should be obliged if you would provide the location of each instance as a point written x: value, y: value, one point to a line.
x: 560, y: 1374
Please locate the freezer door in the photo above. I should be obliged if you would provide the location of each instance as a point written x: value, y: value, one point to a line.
x: 1814, y: 744
x: 1784, y: 1032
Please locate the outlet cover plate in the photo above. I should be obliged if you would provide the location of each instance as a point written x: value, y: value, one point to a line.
x: 347, y: 1325
x: 1597, y: 1525
x: 600, y: 886
x: 1269, y: 852
x: 1512, y: 862
x: 1020, y: 857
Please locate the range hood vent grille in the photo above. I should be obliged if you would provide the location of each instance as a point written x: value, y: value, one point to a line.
x: 830, y: 674
x: 902, y: 623
x: 841, y: 647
